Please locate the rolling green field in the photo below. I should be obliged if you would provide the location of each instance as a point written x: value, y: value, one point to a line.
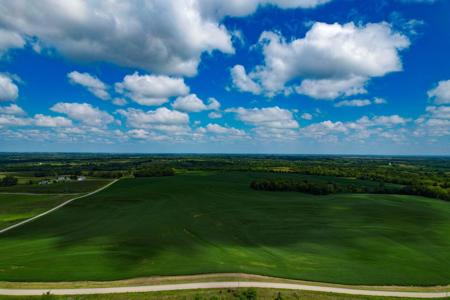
x: 60, y: 187
x: 202, y: 222
x: 15, y: 207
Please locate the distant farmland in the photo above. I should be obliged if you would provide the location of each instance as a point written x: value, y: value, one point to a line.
x: 204, y: 222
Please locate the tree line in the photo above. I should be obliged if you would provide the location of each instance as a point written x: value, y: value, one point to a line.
x: 326, y: 188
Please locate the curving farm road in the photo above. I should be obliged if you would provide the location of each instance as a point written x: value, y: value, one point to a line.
x: 215, y: 285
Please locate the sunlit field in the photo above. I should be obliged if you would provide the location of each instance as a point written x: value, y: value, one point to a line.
x: 204, y: 222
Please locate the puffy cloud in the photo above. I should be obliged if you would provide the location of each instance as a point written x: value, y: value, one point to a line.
x: 271, y: 117
x: 214, y: 115
x: 93, y: 84
x: 329, y: 89
x: 434, y: 123
x: 161, y: 119
x: 151, y: 89
x: 141, y: 36
x: 391, y: 120
x: 139, y: 134
x: 191, y: 103
x: 324, y: 128
x: 12, y: 109
x: 239, y: 8
x: 8, y: 89
x: 360, y: 102
x: 48, y: 121
x: 242, y: 81
x: 354, y: 103
x: 10, y: 39
x: 55, y: 133
x: 306, y: 116
x: 156, y: 35
x: 391, y: 127
x: 378, y: 100
x: 12, y: 115
x: 440, y: 112
x: 119, y: 101
x: 332, y: 59
x: 12, y: 120
x: 83, y: 112
x: 213, y: 103
x: 218, y: 129
x: 441, y: 93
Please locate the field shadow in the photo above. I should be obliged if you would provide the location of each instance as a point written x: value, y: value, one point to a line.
x: 137, y: 221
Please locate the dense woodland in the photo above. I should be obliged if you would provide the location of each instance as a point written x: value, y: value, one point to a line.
x: 319, y: 188
x: 426, y: 176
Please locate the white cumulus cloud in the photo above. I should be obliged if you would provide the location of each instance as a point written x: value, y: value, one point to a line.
x: 354, y: 103
x: 12, y: 109
x: 191, y: 103
x: 214, y: 115
x: 242, y: 81
x: 330, y: 89
x: 49, y: 121
x: 441, y: 93
x: 306, y: 116
x: 271, y: 117
x: 156, y: 35
x: 151, y: 89
x: 83, y: 112
x: 9, y: 40
x: 12, y: 120
x: 332, y: 60
x: 219, y: 129
x: 93, y: 84
x: 162, y: 119
x: 8, y: 89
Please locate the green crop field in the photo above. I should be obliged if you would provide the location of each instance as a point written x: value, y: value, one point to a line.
x: 15, y: 207
x: 203, y: 222
x: 69, y: 187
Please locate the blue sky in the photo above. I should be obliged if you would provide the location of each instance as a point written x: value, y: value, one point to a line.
x: 260, y: 76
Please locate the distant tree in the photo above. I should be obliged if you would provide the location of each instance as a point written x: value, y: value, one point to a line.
x: 8, y: 180
x: 304, y: 186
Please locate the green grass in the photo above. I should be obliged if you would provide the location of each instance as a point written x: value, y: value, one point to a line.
x: 202, y: 222
x: 213, y: 294
x: 60, y: 187
x: 15, y: 208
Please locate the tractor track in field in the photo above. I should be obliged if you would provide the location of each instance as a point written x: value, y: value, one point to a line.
x: 56, y: 208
